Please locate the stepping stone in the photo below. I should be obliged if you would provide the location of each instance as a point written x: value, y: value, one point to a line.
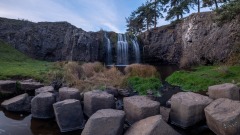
x: 44, y: 89
x: 42, y: 105
x: 105, y: 122
x: 69, y: 93
x: 29, y: 86
x: 97, y: 100
x: 140, y: 107
x: 7, y: 87
x: 226, y: 90
x: 19, y: 103
x: 153, y: 125
x: 69, y: 115
x: 187, y: 108
x: 223, y: 116
x: 165, y: 112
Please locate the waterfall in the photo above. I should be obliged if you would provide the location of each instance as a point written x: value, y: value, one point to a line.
x: 122, y: 50
x: 109, y: 51
x: 136, y: 50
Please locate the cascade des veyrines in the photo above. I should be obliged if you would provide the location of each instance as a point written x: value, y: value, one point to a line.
x: 123, y: 51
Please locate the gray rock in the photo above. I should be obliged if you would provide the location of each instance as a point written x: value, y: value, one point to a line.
x: 187, y: 108
x: 30, y: 86
x: 153, y: 125
x: 69, y: 115
x: 19, y: 103
x: 69, y: 93
x: 42, y: 105
x: 226, y: 90
x: 223, y: 116
x: 44, y: 89
x: 7, y: 87
x: 165, y: 112
x: 124, y: 92
x: 96, y: 100
x: 112, y: 90
x: 140, y: 107
x: 105, y: 122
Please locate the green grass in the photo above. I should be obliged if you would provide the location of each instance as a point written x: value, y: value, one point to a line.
x: 141, y: 85
x: 203, y: 77
x: 14, y: 64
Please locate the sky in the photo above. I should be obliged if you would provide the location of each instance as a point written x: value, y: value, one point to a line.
x: 90, y: 15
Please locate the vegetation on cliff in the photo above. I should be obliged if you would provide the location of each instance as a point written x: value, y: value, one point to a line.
x: 14, y: 64
x: 204, y: 76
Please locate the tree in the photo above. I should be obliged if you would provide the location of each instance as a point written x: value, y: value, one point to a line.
x: 178, y: 8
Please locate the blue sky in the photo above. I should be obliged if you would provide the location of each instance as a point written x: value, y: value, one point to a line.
x: 90, y: 15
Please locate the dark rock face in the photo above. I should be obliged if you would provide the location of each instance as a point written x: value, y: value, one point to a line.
x: 51, y: 41
x: 197, y: 39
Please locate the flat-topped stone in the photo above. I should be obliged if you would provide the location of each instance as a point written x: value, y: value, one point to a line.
x: 44, y: 89
x: 7, y: 86
x: 17, y: 104
x: 69, y: 115
x: 30, y: 85
x: 226, y: 90
x: 105, y: 122
x: 223, y: 116
x: 96, y: 100
x: 69, y: 93
x: 42, y: 105
x: 153, y: 125
x: 140, y: 107
x: 187, y: 108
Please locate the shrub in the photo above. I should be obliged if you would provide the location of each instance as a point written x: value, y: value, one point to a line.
x: 72, y: 72
x: 228, y: 11
x: 142, y: 85
x: 90, y: 68
x: 141, y: 70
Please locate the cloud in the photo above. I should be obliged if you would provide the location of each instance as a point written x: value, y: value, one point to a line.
x: 87, y: 14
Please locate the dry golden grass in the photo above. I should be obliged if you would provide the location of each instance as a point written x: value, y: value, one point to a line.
x: 88, y: 76
x: 141, y: 70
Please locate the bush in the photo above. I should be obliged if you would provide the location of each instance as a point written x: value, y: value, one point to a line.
x: 228, y: 11
x: 141, y: 70
x: 142, y: 85
x: 90, y: 68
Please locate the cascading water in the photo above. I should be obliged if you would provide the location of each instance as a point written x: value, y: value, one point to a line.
x: 136, y: 50
x: 109, y: 51
x: 122, y: 50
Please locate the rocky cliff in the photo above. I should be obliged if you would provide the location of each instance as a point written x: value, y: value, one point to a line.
x: 196, y: 39
x: 52, y: 41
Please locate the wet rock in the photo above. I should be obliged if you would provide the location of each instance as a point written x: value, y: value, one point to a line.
x: 223, y: 116
x: 30, y: 85
x: 139, y: 107
x: 119, y: 104
x: 19, y: 103
x: 42, y: 105
x: 105, y: 122
x: 153, y: 125
x: 112, y: 90
x: 69, y: 93
x: 187, y: 108
x: 7, y: 87
x: 165, y: 112
x: 226, y: 90
x: 96, y: 100
x: 44, y: 89
x: 69, y: 115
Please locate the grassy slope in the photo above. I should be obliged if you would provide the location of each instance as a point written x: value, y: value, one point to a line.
x: 14, y: 64
x: 204, y: 76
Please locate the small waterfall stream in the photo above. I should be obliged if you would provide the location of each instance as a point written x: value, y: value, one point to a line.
x: 109, y: 51
x: 136, y: 50
x: 122, y: 50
